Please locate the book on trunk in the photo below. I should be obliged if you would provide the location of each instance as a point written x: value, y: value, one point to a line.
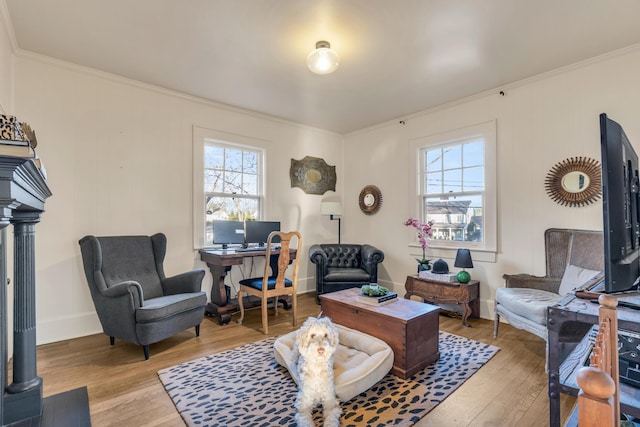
x: 378, y: 300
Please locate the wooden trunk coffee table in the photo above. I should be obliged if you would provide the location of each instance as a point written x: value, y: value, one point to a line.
x: 409, y: 327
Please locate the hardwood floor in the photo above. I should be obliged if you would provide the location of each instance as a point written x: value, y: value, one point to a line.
x: 124, y: 389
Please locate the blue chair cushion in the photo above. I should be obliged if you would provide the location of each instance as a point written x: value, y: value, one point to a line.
x: 256, y: 283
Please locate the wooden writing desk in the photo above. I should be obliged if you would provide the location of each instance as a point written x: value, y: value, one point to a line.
x: 220, y: 262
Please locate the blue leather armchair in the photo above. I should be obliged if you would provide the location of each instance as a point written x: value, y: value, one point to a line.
x: 344, y: 266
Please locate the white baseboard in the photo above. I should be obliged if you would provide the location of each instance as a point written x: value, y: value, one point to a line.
x: 67, y: 327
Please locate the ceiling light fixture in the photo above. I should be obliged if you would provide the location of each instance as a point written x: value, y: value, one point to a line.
x: 323, y: 60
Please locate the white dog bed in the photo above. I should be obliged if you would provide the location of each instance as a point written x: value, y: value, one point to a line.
x: 359, y: 362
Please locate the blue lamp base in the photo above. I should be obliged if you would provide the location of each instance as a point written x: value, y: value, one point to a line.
x: 463, y: 277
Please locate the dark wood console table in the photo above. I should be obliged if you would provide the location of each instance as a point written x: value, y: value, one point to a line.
x: 569, y: 328
x: 466, y: 296
x: 219, y: 263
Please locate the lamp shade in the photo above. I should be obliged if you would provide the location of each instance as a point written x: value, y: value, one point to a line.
x: 323, y: 60
x: 331, y: 208
x: 463, y: 259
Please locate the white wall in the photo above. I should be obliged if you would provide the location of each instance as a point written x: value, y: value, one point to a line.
x: 119, y: 158
x: 6, y: 107
x: 540, y: 122
x: 6, y: 63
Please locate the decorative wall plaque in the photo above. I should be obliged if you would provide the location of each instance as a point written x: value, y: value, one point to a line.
x: 313, y: 175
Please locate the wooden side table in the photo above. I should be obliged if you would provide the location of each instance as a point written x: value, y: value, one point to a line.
x: 467, y: 296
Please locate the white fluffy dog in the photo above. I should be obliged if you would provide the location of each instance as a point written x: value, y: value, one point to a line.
x: 316, y: 342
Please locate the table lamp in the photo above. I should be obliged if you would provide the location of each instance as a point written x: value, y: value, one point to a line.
x: 463, y: 260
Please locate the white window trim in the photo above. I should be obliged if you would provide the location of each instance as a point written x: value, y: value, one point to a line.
x: 200, y: 135
x: 446, y: 249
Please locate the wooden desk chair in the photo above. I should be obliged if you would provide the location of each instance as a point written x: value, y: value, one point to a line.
x: 275, y: 284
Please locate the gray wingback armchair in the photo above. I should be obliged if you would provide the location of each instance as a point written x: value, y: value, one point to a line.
x: 343, y: 266
x: 134, y: 300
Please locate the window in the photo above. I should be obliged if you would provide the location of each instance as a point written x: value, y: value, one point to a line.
x: 228, y: 181
x: 453, y: 189
x: 232, y: 177
x: 456, y: 186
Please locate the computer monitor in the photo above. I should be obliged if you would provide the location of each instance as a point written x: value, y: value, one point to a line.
x: 228, y: 232
x: 258, y: 231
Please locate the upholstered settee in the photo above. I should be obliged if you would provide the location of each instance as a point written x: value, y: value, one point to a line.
x: 344, y: 266
x: 573, y: 258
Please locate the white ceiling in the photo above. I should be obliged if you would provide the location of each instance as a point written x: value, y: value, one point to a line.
x: 397, y: 56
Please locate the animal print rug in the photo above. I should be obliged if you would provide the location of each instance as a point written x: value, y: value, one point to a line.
x: 246, y: 387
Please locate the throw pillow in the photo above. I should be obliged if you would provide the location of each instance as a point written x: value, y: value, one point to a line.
x: 575, y: 277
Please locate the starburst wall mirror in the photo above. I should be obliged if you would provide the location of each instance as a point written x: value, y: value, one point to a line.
x: 576, y: 181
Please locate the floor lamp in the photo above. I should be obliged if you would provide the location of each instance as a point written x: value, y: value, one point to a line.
x: 331, y: 209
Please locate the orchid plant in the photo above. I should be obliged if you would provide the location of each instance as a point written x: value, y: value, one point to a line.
x: 424, y: 232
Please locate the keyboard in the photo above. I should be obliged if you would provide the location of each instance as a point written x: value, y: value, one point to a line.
x: 254, y: 249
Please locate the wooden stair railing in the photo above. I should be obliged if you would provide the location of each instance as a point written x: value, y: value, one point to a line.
x: 599, y: 396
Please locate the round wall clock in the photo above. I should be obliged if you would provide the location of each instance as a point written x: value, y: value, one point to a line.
x: 370, y: 199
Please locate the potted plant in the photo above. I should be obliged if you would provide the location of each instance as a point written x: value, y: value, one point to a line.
x: 424, y: 233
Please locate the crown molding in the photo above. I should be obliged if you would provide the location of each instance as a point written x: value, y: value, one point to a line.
x: 496, y: 91
x: 26, y: 54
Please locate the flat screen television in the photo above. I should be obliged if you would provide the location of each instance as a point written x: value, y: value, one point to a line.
x: 258, y: 231
x: 621, y: 224
x: 228, y: 232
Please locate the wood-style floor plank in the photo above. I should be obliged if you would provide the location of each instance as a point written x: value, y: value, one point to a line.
x: 124, y: 389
